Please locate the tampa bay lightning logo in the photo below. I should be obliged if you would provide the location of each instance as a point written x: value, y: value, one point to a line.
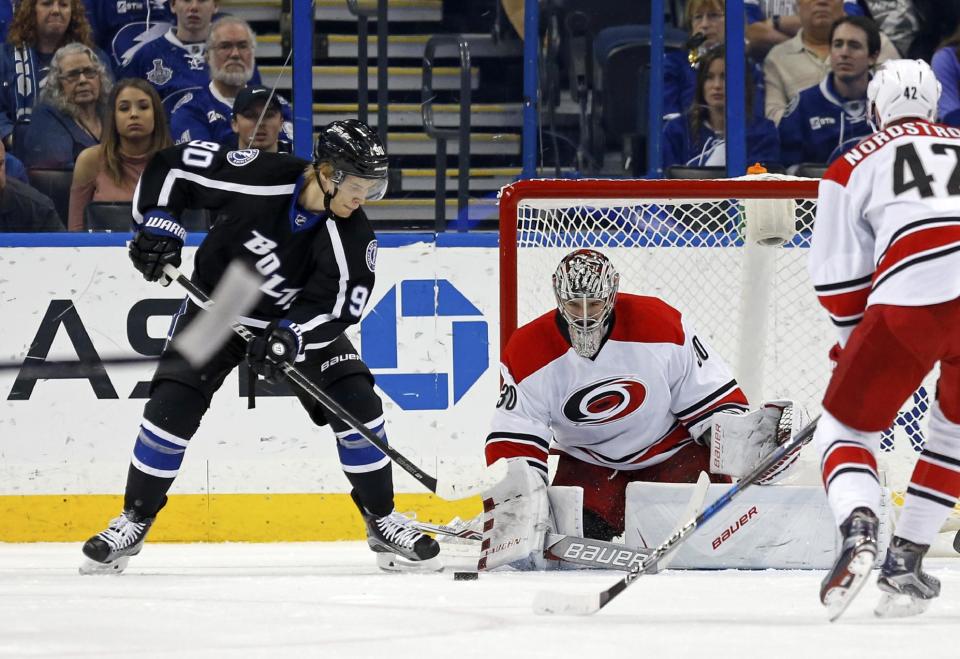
x: 605, y: 401
x: 372, y: 255
x: 242, y: 157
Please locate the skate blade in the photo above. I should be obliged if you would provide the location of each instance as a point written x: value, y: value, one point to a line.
x: 839, y: 597
x: 90, y: 566
x: 394, y: 563
x: 900, y: 605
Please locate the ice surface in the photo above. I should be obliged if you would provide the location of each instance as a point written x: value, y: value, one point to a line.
x: 330, y: 600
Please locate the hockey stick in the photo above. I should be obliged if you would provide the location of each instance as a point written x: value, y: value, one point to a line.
x: 580, y: 604
x: 442, y: 488
x: 235, y: 295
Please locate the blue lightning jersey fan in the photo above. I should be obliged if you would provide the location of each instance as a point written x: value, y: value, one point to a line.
x: 203, y: 114
x: 820, y: 125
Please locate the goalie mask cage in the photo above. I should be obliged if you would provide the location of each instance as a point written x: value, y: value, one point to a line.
x: 685, y: 241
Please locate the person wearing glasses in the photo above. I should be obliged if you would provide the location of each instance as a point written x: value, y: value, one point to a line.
x: 205, y: 113
x: 72, y: 108
x: 177, y: 61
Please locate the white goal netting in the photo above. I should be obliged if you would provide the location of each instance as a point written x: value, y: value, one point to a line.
x: 753, y: 305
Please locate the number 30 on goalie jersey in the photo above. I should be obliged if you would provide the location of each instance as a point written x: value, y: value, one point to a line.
x: 652, y: 384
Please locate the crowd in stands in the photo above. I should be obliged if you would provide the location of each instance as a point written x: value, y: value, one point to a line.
x: 808, y: 66
x: 90, y: 89
x: 80, y: 124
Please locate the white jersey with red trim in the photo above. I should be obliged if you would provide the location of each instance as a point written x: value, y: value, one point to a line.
x: 632, y: 406
x: 888, y: 223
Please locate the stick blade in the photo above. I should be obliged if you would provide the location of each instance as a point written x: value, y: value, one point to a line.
x: 553, y: 603
x: 453, y: 490
x: 235, y: 295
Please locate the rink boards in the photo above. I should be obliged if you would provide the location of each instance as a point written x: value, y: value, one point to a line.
x: 429, y: 335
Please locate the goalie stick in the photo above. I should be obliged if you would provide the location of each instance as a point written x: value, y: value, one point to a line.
x: 443, y: 488
x: 581, y: 604
x: 565, y: 548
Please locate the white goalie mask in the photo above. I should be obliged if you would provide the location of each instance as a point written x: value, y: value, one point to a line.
x: 903, y: 88
x: 585, y: 285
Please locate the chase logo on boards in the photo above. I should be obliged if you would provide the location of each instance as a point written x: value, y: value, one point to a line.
x: 383, y: 331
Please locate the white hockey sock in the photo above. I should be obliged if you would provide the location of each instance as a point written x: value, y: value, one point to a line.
x: 935, y: 484
x: 848, y: 466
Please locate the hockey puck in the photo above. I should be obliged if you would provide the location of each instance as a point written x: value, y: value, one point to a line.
x: 956, y: 542
x: 465, y: 576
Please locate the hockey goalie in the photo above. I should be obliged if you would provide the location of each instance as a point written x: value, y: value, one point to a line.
x: 622, y: 388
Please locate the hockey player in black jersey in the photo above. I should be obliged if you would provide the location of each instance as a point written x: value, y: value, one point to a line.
x: 301, y: 226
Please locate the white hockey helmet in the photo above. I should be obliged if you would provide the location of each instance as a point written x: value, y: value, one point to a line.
x: 585, y: 285
x: 903, y: 88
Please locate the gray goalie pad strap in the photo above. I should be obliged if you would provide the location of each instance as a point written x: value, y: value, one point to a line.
x: 593, y: 553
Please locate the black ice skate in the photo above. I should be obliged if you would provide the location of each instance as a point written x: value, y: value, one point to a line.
x: 852, y: 567
x: 109, y: 551
x: 399, y: 545
x: 907, y: 589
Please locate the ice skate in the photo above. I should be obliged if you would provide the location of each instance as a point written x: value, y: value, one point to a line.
x: 109, y: 551
x: 907, y: 589
x: 400, y: 546
x: 852, y: 567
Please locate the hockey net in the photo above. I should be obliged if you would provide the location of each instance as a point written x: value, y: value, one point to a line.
x: 685, y: 241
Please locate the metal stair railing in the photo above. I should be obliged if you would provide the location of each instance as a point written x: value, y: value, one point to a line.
x: 363, y: 15
x: 441, y: 135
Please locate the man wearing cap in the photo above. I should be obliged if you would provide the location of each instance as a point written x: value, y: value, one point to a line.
x: 205, y: 113
x: 258, y: 119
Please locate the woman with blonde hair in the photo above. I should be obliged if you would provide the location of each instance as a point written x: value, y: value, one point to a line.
x: 135, y: 129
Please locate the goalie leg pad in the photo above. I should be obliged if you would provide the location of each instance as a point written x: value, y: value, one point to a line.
x: 516, y: 517
x: 566, y: 510
x: 778, y: 527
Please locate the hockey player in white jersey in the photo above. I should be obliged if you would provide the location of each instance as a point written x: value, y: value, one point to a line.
x: 624, y: 390
x: 885, y: 263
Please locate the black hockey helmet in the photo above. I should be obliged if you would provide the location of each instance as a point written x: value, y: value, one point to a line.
x: 353, y: 149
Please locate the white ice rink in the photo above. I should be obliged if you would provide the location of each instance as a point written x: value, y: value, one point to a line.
x: 329, y: 600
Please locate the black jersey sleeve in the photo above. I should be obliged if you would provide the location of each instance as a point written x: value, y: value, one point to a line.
x: 202, y: 174
x: 339, y: 288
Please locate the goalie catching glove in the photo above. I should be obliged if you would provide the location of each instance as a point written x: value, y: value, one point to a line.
x: 739, y: 441
x: 281, y: 342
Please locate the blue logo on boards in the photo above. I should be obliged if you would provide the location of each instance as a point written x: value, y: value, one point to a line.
x: 425, y: 298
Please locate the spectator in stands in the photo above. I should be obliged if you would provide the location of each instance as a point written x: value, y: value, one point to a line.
x: 769, y: 22
x: 22, y: 208
x: 38, y: 30
x: 897, y: 19
x: 255, y: 127
x: 705, y: 22
x: 15, y: 168
x: 205, y: 114
x: 946, y: 66
x: 803, y: 61
x: 6, y: 15
x: 135, y: 129
x: 825, y: 120
x: 140, y: 21
x: 71, y: 111
x: 176, y: 61
x: 697, y: 139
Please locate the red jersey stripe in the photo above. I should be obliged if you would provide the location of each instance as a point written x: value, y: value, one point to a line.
x: 914, y: 243
x: 849, y: 303
x: 496, y: 450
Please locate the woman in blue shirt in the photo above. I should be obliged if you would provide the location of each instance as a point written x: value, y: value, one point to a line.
x: 697, y: 139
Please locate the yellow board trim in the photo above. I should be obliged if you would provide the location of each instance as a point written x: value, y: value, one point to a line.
x: 213, y: 517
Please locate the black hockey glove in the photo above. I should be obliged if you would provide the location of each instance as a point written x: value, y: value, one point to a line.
x: 153, y: 248
x: 280, y: 343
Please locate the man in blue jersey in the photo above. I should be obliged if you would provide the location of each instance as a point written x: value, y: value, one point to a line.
x: 120, y: 27
x: 176, y: 61
x: 827, y: 119
x: 205, y: 113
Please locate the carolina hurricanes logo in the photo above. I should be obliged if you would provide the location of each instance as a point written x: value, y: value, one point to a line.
x: 605, y: 401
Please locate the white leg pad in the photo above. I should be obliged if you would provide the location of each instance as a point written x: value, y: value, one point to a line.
x: 566, y: 508
x: 779, y: 527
